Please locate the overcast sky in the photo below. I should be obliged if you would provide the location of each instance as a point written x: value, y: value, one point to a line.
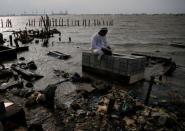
x: 93, y: 6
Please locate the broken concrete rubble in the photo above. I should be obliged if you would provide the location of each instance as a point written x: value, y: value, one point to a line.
x: 6, y: 86
x: 27, y: 75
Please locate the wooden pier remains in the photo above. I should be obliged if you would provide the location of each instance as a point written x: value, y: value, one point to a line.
x: 54, y: 22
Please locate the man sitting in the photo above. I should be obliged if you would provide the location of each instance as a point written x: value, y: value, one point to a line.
x: 99, y: 43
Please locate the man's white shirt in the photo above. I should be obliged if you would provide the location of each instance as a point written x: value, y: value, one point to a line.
x: 99, y: 42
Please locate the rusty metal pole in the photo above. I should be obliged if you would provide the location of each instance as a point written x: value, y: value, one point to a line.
x: 149, y: 90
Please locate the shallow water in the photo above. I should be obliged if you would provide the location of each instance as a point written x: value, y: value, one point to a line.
x: 130, y: 33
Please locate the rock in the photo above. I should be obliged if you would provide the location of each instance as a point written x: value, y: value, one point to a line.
x: 91, y: 113
x: 102, y: 109
x: 35, y: 127
x: 22, y: 58
x: 81, y: 113
x: 5, y: 73
x: 23, y: 65
x: 75, y: 106
x: 28, y: 93
x: 1, y: 39
x: 146, y: 112
x: 11, y: 85
x: 102, y: 87
x: 139, y: 104
x: 110, y: 105
x: 76, y: 77
x: 106, y: 101
x: 30, y: 102
x: 162, y: 120
x: 129, y: 122
x: 40, y: 98
x: 115, y: 116
x: 163, y: 101
x: 141, y: 120
x: 86, y: 87
x: 50, y: 94
x: 96, y: 100
x: 31, y: 65
x: 86, y: 78
x: 29, y: 84
x: 61, y: 107
x: 36, y: 41
x: 27, y: 75
x: 152, y: 96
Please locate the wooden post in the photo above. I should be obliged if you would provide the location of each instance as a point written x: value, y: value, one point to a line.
x: 78, y: 22
x: 110, y: 105
x: 75, y: 22
x: 85, y: 22
x: 69, y: 39
x: 29, y: 22
x: 10, y: 37
x: 94, y: 22
x: 67, y: 22
x: 59, y: 22
x: 6, y: 23
x: 40, y: 22
x: 72, y: 23
x: 110, y: 23
x: 99, y: 22
x: 107, y: 23
x: 149, y: 90
x: 56, y: 22
x: 103, y: 22
x: 53, y: 21
x: 10, y: 23
x: 62, y: 22
x: 49, y: 22
x: 34, y: 22
x: 89, y: 24
x: 2, y: 23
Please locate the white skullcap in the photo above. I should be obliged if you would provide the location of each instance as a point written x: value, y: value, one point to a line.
x: 104, y: 29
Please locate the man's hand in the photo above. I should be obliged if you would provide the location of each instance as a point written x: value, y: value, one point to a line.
x: 108, y: 47
x: 106, y: 51
x: 103, y: 49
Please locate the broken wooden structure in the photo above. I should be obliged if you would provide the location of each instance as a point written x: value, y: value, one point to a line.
x: 125, y: 68
x: 12, y: 113
x: 7, y: 53
x: 59, y: 55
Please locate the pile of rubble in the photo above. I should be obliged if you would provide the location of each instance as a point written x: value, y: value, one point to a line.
x: 94, y: 105
x: 115, y: 109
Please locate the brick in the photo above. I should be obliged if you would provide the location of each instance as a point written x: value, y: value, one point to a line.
x: 126, y: 65
x: 97, y: 63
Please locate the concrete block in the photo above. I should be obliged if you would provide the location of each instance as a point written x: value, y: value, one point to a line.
x: 128, y: 66
x: 97, y: 63
x: 116, y: 65
x: 86, y: 60
x: 106, y: 63
x: 92, y: 60
x: 136, y: 77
